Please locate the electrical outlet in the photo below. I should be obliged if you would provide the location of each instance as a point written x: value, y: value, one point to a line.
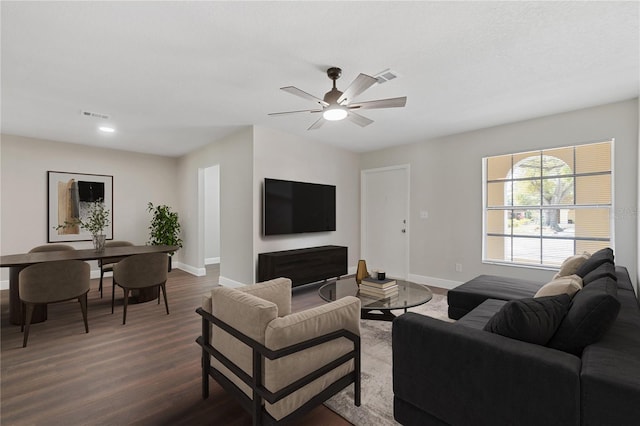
x: 458, y: 267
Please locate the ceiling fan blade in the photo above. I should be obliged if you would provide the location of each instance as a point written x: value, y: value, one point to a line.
x: 380, y: 103
x: 359, y: 85
x: 294, y: 112
x: 317, y: 124
x: 359, y: 119
x: 301, y: 93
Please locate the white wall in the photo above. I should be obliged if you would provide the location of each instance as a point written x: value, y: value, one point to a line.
x: 137, y: 179
x: 212, y: 214
x: 446, y: 180
x: 234, y: 155
x: 281, y: 155
x: 638, y: 213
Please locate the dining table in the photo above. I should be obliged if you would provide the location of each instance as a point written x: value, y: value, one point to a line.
x: 17, y: 262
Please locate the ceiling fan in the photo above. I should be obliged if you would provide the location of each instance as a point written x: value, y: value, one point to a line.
x: 338, y: 105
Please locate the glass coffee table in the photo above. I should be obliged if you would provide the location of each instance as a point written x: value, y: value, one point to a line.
x: 409, y: 295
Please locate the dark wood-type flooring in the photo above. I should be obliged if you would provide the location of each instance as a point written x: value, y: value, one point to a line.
x: 146, y: 372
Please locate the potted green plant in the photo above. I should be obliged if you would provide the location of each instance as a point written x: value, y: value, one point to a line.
x: 164, y: 228
x: 96, y: 221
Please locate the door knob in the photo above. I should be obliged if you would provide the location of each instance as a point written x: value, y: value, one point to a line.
x: 404, y: 231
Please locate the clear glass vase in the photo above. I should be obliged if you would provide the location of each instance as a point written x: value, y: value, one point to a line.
x: 98, y: 242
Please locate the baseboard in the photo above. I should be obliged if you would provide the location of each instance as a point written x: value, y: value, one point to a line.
x: 436, y: 282
x: 212, y: 261
x: 198, y: 272
x: 227, y: 282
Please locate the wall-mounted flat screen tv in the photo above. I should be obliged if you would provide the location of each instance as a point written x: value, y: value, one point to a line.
x: 296, y: 207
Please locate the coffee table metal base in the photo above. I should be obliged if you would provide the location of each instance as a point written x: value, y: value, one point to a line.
x: 381, y: 315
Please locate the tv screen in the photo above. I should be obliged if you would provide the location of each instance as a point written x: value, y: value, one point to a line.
x: 90, y: 191
x: 296, y: 207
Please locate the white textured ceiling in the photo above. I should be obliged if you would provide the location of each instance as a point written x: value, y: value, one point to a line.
x: 174, y: 76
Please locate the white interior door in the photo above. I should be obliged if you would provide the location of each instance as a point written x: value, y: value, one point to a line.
x: 385, y: 220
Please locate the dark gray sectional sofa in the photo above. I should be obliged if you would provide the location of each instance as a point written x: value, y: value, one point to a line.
x: 459, y: 374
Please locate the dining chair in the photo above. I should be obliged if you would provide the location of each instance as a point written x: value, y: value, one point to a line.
x: 51, y: 282
x: 138, y: 272
x: 106, y: 264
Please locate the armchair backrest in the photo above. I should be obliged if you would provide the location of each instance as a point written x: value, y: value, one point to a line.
x: 277, y: 291
x: 246, y: 313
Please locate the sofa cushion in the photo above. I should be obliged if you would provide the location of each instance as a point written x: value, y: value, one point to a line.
x: 607, y: 269
x: 593, y: 310
x: 604, y: 255
x: 569, y: 284
x: 571, y: 264
x: 464, y: 298
x: 530, y: 320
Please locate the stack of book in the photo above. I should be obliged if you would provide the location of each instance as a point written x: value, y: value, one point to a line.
x: 379, y: 288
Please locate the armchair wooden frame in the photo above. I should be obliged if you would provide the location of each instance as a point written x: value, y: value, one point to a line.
x: 260, y: 352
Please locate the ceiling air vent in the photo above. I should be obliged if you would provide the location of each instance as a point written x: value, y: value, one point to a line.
x: 95, y: 115
x: 385, y: 76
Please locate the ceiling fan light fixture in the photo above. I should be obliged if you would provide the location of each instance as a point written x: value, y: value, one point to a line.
x: 335, y: 113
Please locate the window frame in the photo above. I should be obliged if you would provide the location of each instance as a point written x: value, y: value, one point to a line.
x: 486, y: 208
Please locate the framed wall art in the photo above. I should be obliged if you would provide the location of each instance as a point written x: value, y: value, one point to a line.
x: 70, y: 196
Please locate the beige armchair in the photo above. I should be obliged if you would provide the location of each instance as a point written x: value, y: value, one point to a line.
x: 278, y: 364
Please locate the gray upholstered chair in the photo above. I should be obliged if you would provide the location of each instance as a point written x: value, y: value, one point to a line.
x: 106, y: 264
x: 278, y: 364
x: 51, y: 282
x: 51, y: 247
x: 139, y: 272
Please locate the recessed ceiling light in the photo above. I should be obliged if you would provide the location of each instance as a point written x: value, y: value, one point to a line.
x: 106, y: 129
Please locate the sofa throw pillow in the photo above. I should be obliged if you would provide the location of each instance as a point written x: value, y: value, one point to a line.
x: 570, y: 285
x: 530, y: 320
x: 604, y: 255
x: 592, y: 312
x: 605, y: 270
x: 571, y: 264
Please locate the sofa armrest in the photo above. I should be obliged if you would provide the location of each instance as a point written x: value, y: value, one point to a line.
x: 462, y: 375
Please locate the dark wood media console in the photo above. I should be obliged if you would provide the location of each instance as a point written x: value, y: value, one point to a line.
x: 303, y: 266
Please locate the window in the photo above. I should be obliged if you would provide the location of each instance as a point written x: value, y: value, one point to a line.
x: 542, y: 206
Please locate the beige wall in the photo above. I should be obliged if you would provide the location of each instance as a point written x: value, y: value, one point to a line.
x: 212, y: 213
x: 137, y: 179
x: 446, y: 181
x: 234, y: 155
x: 280, y: 155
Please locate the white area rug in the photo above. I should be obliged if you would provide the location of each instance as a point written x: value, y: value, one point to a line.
x: 377, y: 387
